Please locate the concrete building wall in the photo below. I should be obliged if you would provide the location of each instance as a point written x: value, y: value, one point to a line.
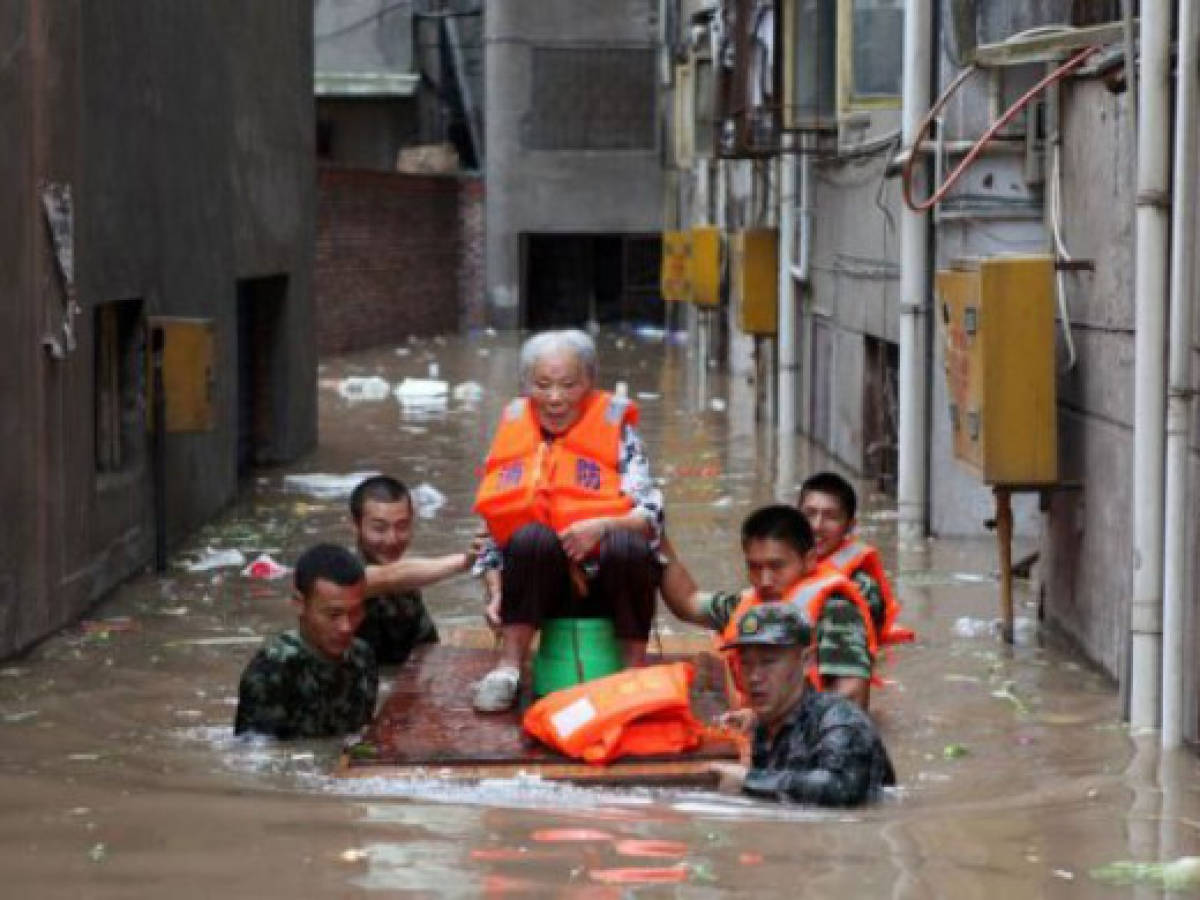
x: 1087, y: 544
x: 558, y: 190
x: 184, y: 132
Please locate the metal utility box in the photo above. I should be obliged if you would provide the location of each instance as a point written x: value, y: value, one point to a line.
x: 706, y: 265
x: 997, y: 322
x: 675, y: 278
x: 187, y: 366
x: 754, y: 279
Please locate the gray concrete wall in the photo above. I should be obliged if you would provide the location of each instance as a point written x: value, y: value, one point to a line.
x: 186, y: 134
x: 556, y: 191
x: 853, y: 292
x: 1087, y: 544
x: 363, y: 36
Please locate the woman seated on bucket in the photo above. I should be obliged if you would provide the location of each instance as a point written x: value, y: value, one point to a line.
x: 571, y: 510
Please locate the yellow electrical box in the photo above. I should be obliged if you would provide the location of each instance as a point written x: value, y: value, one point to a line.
x: 754, y: 279
x: 187, y: 364
x: 706, y: 265
x: 676, y: 274
x: 997, y: 323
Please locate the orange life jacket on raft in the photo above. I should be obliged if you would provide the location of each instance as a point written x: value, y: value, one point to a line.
x: 638, y: 712
x: 566, y: 479
x: 853, y: 555
x: 810, y: 594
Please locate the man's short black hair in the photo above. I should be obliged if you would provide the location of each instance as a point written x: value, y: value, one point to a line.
x: 331, y: 562
x: 836, y: 486
x: 380, y: 489
x: 779, y: 523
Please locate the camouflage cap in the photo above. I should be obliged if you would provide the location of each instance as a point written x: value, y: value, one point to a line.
x: 772, y: 625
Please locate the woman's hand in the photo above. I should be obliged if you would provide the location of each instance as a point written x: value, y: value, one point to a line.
x: 579, y: 541
x: 740, y: 720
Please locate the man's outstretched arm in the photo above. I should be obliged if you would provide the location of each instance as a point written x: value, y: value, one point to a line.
x: 679, y: 590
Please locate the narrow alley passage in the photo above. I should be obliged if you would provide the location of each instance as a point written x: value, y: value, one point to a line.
x: 118, y: 764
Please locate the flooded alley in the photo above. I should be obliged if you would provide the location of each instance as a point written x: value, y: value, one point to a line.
x: 122, y: 777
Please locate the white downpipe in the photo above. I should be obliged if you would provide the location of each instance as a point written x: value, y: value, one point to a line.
x: 803, y: 268
x: 785, y: 395
x: 1149, y: 400
x: 1179, y: 396
x: 914, y: 249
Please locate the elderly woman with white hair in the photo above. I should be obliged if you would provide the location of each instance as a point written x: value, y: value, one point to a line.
x: 571, y: 509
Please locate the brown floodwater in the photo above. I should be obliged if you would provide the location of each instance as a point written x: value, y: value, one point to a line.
x: 121, y: 777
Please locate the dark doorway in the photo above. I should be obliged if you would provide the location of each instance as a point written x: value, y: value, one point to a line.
x: 260, y: 308
x: 574, y: 279
x: 881, y: 412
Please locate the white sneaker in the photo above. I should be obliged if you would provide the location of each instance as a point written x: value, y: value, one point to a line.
x: 497, y: 691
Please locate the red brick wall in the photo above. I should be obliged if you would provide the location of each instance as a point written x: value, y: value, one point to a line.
x: 388, y: 257
x: 471, y: 284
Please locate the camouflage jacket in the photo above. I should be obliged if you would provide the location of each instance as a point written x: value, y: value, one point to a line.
x: 826, y: 752
x: 289, y: 691
x: 869, y: 588
x: 394, y: 624
x: 842, y: 649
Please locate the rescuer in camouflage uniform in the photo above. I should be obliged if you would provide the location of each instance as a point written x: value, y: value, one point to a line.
x: 778, y: 546
x: 829, y: 503
x: 809, y: 746
x: 395, y: 621
x: 316, y: 680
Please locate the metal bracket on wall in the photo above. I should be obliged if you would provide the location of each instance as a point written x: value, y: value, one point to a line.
x: 60, y: 222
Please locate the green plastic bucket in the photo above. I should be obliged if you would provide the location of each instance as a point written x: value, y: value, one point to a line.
x: 572, y: 651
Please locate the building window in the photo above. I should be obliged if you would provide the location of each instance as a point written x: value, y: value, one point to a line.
x: 871, y: 35
x: 592, y: 98
x: 120, y: 392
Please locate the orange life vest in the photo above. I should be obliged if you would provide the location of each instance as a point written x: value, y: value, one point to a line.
x: 810, y: 594
x: 853, y: 555
x: 567, y: 479
x: 638, y: 712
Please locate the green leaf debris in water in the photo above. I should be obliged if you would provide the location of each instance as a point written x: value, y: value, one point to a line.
x: 954, y: 751
x: 1182, y: 874
x: 1005, y: 692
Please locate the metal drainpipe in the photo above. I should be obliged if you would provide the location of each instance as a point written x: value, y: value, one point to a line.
x: 914, y: 248
x: 786, y: 393
x: 1179, y: 395
x: 1149, y: 401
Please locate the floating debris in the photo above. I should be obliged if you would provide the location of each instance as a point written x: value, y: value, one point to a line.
x: 116, y: 623
x: 354, y: 855
x: 357, y: 389
x: 427, y: 500
x: 98, y: 853
x: 716, y: 404
x: 954, y: 751
x: 216, y: 559
x: 421, y: 388
x: 468, y: 392
x: 647, y: 395
x: 1178, y: 875
x: 265, y: 569
x: 323, y: 485
x: 227, y: 640
x: 18, y: 717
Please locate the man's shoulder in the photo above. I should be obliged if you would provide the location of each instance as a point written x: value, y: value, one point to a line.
x: 279, y: 650
x: 832, y: 710
x: 360, y: 654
